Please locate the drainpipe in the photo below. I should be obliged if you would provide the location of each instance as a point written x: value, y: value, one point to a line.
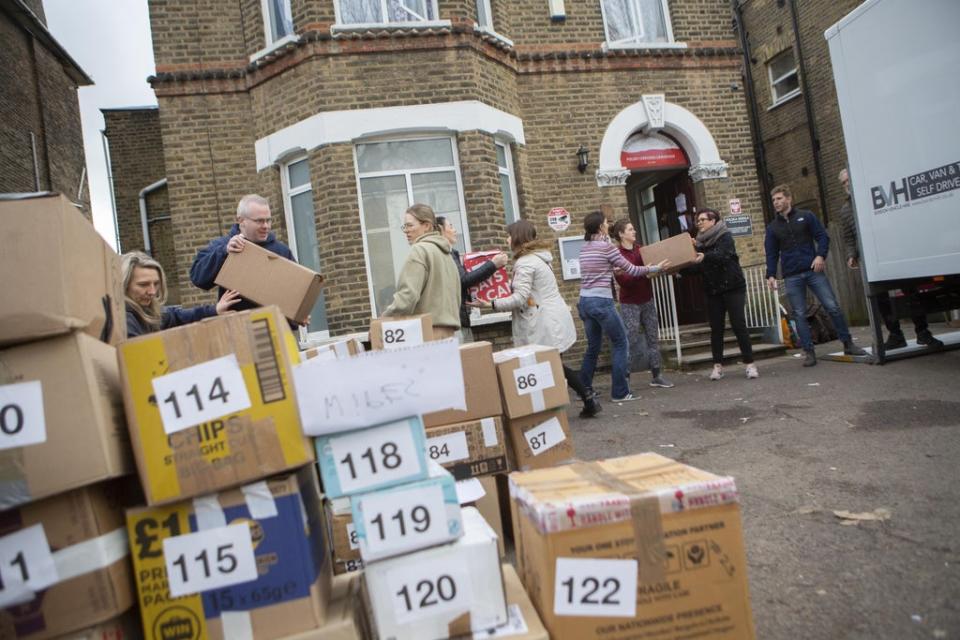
x: 808, y: 105
x: 162, y: 182
x: 113, y: 199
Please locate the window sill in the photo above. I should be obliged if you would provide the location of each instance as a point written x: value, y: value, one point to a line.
x: 279, y: 44
x: 785, y: 99
x: 643, y: 45
x: 487, y: 31
x: 390, y: 26
x: 497, y: 317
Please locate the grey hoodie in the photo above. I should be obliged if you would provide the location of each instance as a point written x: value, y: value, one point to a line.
x: 428, y: 283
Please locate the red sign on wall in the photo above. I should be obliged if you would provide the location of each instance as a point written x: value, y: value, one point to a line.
x: 496, y: 286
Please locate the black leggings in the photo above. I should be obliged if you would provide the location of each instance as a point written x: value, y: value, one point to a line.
x: 733, y: 303
x: 573, y: 380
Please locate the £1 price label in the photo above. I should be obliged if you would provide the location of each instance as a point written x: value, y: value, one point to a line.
x: 22, y: 420
x: 401, y: 333
x: 374, y: 457
x: 209, y: 559
x: 545, y: 436
x: 26, y: 565
x: 398, y: 521
x: 448, y: 448
x: 427, y: 589
x: 200, y: 393
x: 533, y: 378
x: 595, y: 587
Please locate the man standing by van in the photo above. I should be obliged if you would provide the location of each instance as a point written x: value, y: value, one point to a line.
x: 797, y: 240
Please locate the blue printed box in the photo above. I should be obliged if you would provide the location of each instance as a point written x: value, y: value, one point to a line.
x: 371, y: 459
x: 407, y: 517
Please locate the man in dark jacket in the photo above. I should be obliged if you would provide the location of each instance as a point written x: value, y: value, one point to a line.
x: 797, y: 240
x: 253, y: 225
x: 896, y: 340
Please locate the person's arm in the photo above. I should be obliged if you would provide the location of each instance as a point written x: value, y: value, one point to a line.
x: 522, y: 286
x: 849, y: 231
x: 207, y: 264
x: 178, y: 316
x: 771, y: 247
x: 615, y: 258
x: 820, y: 235
x: 723, y: 251
x: 478, y: 275
x: 410, y: 284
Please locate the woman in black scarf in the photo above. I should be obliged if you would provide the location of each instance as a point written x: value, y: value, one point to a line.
x: 725, y: 286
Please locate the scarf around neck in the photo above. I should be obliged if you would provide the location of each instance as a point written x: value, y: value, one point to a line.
x: 709, y: 237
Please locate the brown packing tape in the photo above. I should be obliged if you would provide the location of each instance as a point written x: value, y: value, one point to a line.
x: 460, y: 626
x: 646, y: 519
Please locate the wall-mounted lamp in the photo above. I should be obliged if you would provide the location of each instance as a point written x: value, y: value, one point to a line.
x: 582, y: 158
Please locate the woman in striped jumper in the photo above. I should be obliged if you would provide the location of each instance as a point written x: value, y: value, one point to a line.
x: 598, y: 258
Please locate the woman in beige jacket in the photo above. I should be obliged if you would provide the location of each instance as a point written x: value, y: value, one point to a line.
x: 429, y: 281
x: 540, y: 314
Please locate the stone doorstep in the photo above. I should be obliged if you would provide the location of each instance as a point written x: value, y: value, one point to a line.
x: 731, y: 355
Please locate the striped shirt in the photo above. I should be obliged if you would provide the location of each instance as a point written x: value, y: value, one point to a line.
x: 597, y: 260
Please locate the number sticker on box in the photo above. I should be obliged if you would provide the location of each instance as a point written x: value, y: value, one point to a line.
x: 26, y: 565
x: 200, y: 393
x: 545, y: 436
x: 595, y: 587
x: 22, y: 420
x: 352, y: 536
x: 209, y: 559
x: 448, y: 448
x: 532, y: 378
x: 425, y: 589
x: 373, y: 457
x: 402, y: 333
x: 398, y: 521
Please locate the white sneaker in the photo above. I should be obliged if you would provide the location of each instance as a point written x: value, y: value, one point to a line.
x: 717, y: 372
x: 752, y: 372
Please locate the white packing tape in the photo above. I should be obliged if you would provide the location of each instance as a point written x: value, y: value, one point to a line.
x: 91, y: 555
x: 208, y: 512
x: 237, y: 625
x: 489, y: 426
x: 536, y: 397
x: 341, y: 349
x: 260, y: 500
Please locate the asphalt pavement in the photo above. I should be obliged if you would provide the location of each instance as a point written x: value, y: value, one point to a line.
x: 880, y: 442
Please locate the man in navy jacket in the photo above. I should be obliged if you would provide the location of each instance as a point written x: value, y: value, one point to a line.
x: 253, y: 225
x: 797, y: 240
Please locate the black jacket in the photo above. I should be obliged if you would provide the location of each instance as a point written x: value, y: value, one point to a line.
x: 170, y: 317
x: 470, y: 279
x: 721, y: 267
x: 794, y: 242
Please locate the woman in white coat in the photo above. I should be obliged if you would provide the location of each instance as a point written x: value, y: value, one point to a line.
x: 540, y: 314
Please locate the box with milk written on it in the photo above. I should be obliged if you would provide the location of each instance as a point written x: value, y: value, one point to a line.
x: 269, y: 279
x: 248, y: 562
x: 408, y: 517
x: 66, y: 562
x: 541, y: 440
x: 469, y: 449
x: 62, y: 419
x: 440, y: 592
x: 212, y: 404
x: 373, y: 458
x: 531, y: 380
x: 610, y: 548
x: 398, y: 332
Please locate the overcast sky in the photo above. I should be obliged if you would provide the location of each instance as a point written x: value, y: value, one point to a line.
x: 110, y: 40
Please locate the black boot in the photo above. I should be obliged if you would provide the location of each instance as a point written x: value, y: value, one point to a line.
x: 590, y: 408
x: 810, y: 358
x: 926, y: 338
x: 895, y: 341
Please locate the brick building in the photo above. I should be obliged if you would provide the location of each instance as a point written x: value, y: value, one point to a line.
x: 796, y: 118
x: 41, y: 142
x: 138, y: 179
x: 344, y: 112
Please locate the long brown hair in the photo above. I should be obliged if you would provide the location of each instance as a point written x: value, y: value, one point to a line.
x: 151, y: 315
x: 523, y: 238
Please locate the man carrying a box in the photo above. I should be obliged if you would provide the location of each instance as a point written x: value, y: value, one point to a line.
x: 253, y: 225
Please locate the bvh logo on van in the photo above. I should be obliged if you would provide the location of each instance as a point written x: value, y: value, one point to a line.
x: 920, y: 185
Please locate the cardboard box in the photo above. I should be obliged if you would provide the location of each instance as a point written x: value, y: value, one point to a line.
x: 677, y: 249
x: 343, y: 567
x: 531, y: 380
x: 59, y: 274
x: 489, y: 508
x: 224, y: 451
x: 480, y: 388
x: 496, y: 286
x: 541, y: 440
x: 671, y: 529
x: 397, y: 332
x: 469, y: 449
x: 333, y: 350
x: 73, y: 382
x: 292, y: 588
x: 341, y: 532
x: 124, y: 627
x: 439, y: 592
x: 269, y: 279
x: 83, y: 530
x: 372, y: 459
x: 409, y: 517
x: 523, y: 623
x: 345, y: 619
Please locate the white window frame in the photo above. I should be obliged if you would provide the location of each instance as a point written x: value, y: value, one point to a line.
x: 512, y: 178
x: 414, y: 24
x: 778, y: 100
x: 487, y: 29
x: 463, y: 228
x: 624, y: 44
x: 272, y: 45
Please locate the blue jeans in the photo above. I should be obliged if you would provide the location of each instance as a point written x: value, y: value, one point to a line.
x: 600, y: 317
x: 797, y: 294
